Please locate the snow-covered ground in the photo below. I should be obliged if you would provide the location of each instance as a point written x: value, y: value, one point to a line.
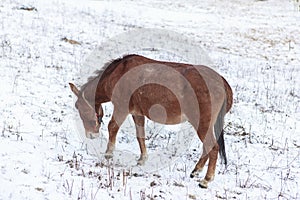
x: 255, y: 45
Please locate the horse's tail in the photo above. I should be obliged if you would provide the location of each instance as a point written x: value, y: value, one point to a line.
x: 229, y: 95
x: 219, y: 132
x: 222, y: 151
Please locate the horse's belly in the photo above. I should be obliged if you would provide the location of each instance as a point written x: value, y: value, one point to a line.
x: 159, y: 104
x: 161, y: 114
x: 167, y: 120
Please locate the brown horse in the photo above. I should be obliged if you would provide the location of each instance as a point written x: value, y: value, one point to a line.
x: 165, y: 92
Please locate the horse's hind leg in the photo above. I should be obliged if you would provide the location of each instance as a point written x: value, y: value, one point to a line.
x: 213, y: 157
x: 199, y: 166
x: 209, y: 145
x: 140, y: 135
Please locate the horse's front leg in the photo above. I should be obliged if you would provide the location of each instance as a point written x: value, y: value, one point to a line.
x: 140, y: 135
x: 113, y: 128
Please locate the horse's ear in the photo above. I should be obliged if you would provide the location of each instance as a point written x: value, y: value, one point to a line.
x: 74, y: 89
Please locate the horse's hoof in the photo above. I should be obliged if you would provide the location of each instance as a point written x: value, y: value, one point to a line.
x: 194, y: 174
x: 142, y: 160
x: 203, y: 184
x: 108, y: 156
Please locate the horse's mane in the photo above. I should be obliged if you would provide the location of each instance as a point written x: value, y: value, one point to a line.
x: 108, y: 67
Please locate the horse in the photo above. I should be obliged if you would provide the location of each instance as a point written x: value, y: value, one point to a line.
x: 164, y: 92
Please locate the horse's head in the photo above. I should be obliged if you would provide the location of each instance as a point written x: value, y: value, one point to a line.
x: 90, y: 117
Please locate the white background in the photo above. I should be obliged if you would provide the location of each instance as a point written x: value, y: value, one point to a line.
x: 255, y: 45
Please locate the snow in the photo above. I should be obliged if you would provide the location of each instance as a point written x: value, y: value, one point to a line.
x: 255, y: 45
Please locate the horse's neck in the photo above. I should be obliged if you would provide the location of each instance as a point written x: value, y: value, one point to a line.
x: 101, y: 96
x: 106, y: 86
x: 101, y: 88
x: 96, y: 92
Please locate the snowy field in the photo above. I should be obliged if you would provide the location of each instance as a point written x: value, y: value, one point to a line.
x: 254, y: 44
